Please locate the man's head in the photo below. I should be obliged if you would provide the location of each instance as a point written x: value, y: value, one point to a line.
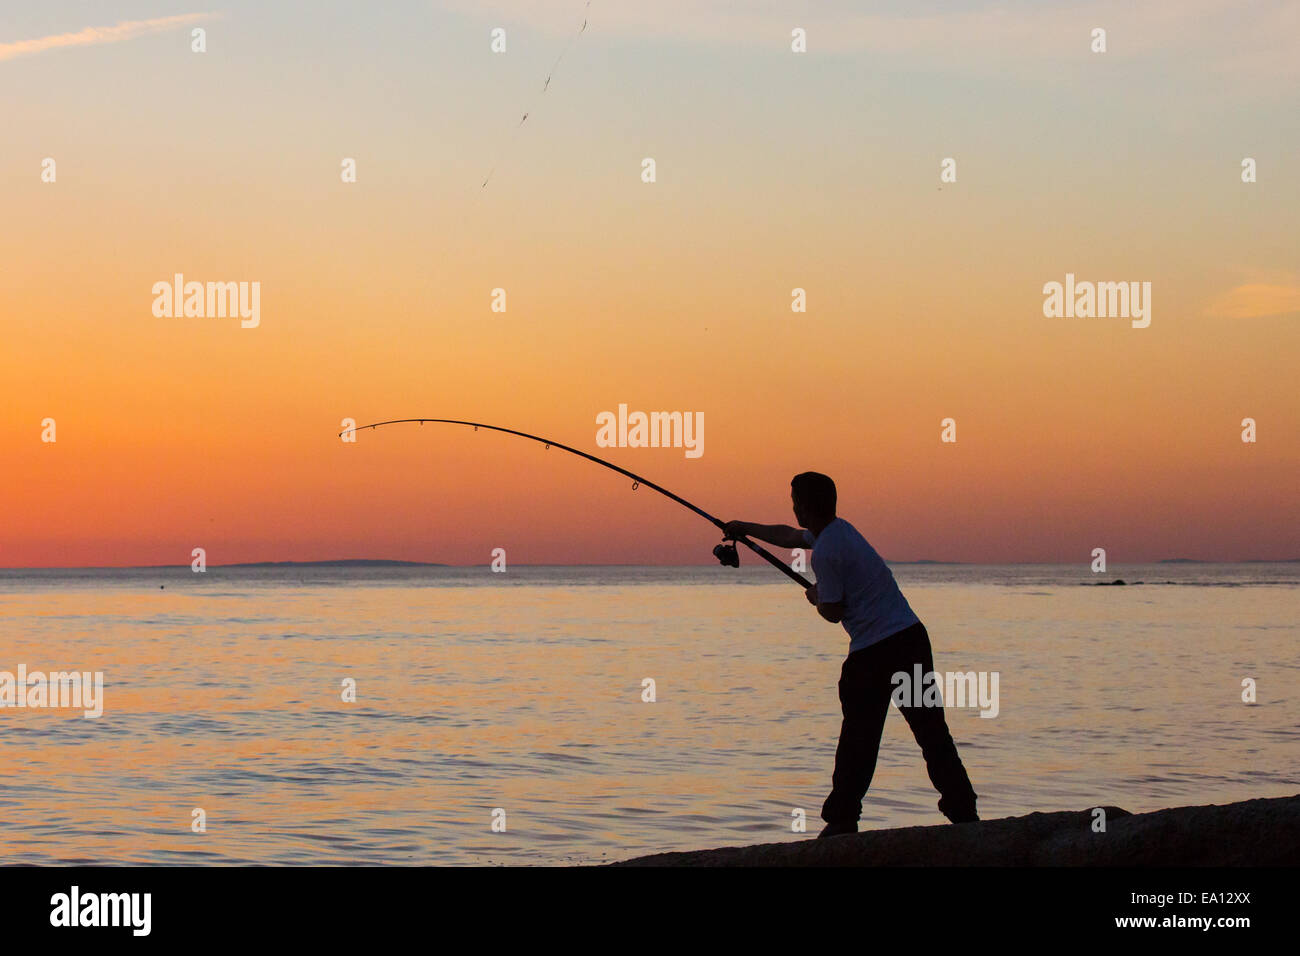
x: 813, y: 497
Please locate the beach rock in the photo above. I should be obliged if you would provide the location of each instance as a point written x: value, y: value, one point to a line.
x: 1251, y: 833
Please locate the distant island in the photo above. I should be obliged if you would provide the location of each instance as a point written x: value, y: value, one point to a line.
x: 1242, y: 561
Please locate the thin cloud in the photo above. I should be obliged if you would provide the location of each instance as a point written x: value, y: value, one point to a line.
x: 94, y: 36
x: 1256, y: 300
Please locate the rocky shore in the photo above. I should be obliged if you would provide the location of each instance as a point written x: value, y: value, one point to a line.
x: 1251, y: 833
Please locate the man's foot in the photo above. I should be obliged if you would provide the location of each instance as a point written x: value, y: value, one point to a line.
x: 959, y: 815
x: 838, y: 829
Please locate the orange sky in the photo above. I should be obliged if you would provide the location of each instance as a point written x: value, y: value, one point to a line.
x: 774, y: 172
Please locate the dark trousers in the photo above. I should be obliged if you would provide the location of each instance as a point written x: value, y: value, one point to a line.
x: 866, y: 686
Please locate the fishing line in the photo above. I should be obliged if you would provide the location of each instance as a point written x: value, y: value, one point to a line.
x: 545, y: 86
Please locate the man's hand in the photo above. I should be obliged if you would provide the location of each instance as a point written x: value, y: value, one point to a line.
x: 833, y: 612
x: 735, y: 529
x: 781, y: 535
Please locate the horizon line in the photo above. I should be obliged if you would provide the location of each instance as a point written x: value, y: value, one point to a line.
x: 398, y: 562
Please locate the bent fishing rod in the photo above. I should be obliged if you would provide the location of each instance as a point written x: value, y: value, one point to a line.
x: 725, y: 553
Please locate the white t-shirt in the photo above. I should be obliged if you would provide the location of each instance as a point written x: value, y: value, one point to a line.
x: 848, y: 569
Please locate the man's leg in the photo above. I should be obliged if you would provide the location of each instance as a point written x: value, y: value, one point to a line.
x: 864, y: 699
x: 930, y: 728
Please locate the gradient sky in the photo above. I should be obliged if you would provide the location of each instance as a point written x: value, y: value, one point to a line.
x: 775, y: 170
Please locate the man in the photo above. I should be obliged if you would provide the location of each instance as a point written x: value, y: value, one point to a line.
x: 855, y: 587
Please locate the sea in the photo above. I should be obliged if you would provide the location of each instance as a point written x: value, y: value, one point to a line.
x: 372, y: 713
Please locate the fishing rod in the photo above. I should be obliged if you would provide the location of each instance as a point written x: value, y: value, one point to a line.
x: 725, y: 553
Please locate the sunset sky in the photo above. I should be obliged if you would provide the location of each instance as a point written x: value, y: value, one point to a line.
x: 776, y: 170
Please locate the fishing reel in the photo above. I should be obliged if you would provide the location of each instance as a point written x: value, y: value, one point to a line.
x: 727, y: 555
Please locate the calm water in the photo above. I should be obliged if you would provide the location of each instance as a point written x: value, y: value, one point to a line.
x: 522, y: 691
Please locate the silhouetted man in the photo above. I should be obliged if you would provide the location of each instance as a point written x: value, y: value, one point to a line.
x: 856, y: 588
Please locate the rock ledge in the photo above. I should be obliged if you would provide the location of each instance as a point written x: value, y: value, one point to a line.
x: 1251, y: 833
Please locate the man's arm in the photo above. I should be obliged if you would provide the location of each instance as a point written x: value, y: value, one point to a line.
x: 781, y: 535
x: 784, y: 536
